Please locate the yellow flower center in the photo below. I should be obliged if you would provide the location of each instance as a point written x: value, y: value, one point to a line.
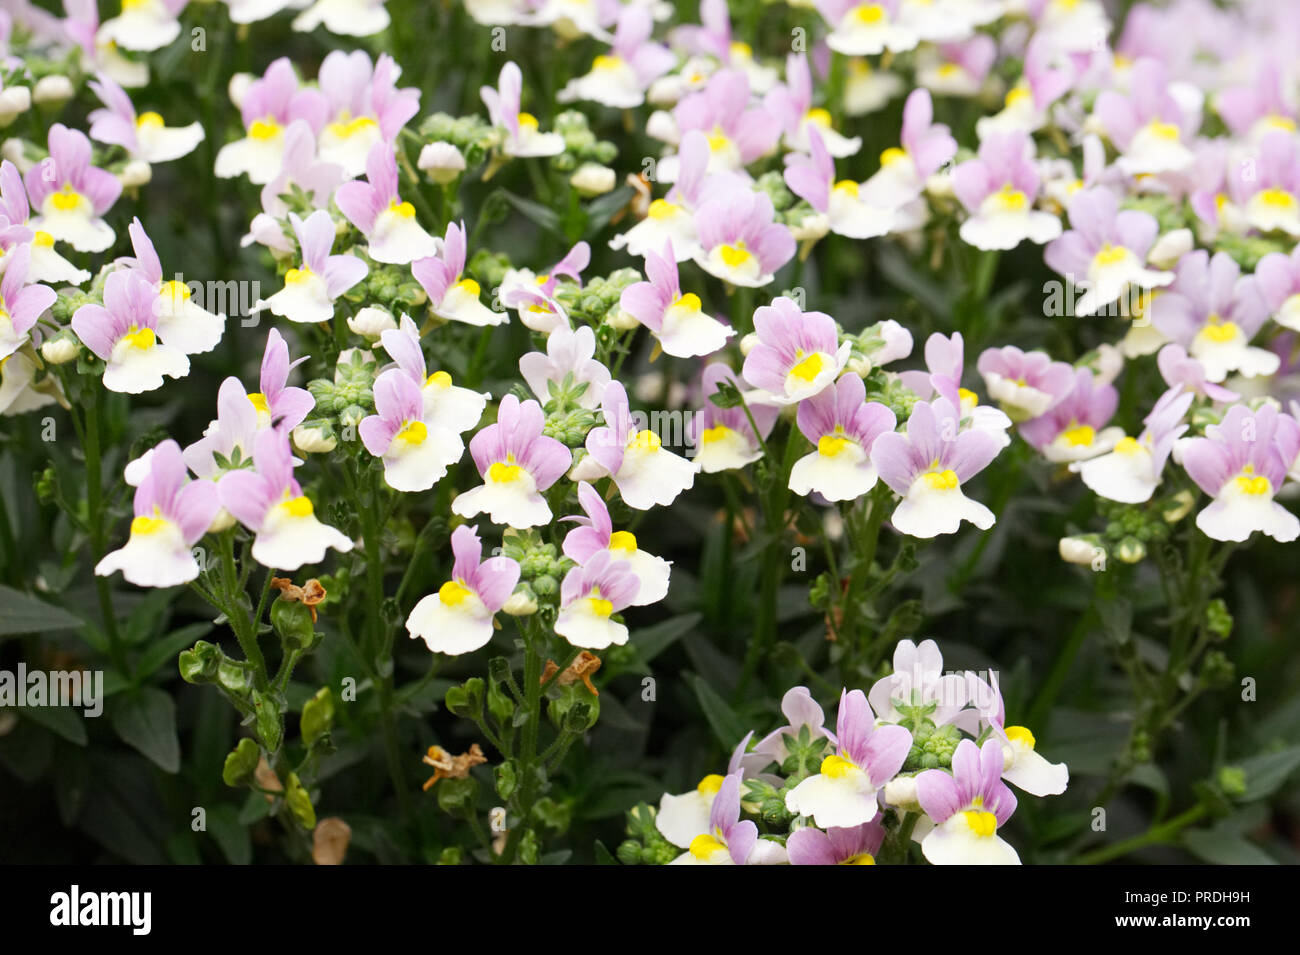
x: 981, y: 822
x: 690, y: 301
x: 831, y: 445
x: 1020, y: 734
x: 869, y: 13
x: 1081, y: 435
x: 505, y: 472
x: 718, y: 432
x: 1220, y: 332
x: 623, y: 541
x: 174, y: 291
x: 704, y: 845
x: 403, y: 209
x: 1255, y: 486
x: 949, y: 70
x: 892, y: 155
x: 299, y: 506
x: 598, y: 605
x: 718, y: 140
x: 468, y: 286
x: 847, y: 187
x: 1165, y: 131
x: 1277, y: 198
x: 439, y: 379
x: 646, y: 441
x: 808, y: 368
x: 837, y: 767
x: 66, y: 199
x: 1017, y: 95
x: 606, y: 62
x: 258, y: 401
x: 820, y: 117
x: 527, y: 121
x: 1127, y: 445
x: 145, y: 525
x: 264, y: 129
x: 862, y: 858
x: 735, y: 255
x: 967, y: 397
x: 945, y: 480
x: 1111, y: 254
x: 141, y: 338
x: 297, y: 276
x: 149, y: 120
x: 1011, y: 199
x: 453, y: 593
x: 345, y: 128
x: 663, y: 209
x: 43, y: 239
x: 710, y: 784
x: 415, y: 432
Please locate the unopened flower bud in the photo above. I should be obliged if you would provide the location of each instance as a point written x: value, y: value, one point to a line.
x: 901, y: 792
x: 1179, y: 506
x: 747, y: 343
x: 1131, y: 550
x: 314, y: 439
x: 14, y: 100
x: 442, y: 161
x: 1169, y: 248
x: 593, y: 179
x: 238, y: 87
x: 59, y: 350
x: 521, y: 604
x: 621, y: 319
x: 371, y: 323
x: 1080, y: 550
x: 223, y: 521
x: 52, y: 90
x: 136, y: 173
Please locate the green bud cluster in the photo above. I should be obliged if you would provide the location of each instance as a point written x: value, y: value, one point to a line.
x: 932, y: 747
x: 598, y: 297
x: 570, y: 427
x: 1246, y: 251
x: 580, y: 143
x: 472, y: 135
x: 890, y: 391
x: 773, y: 184
x: 1163, y: 209
x: 645, y: 844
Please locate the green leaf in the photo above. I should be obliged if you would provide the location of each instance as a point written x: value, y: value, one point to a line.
x: 1266, y: 772
x: 230, y: 834
x: 603, y: 855
x: 146, y: 720
x: 26, y: 614
x: 535, y: 212
x: 63, y: 720
x: 163, y: 651
x: 652, y: 641
x: 1224, y: 848
x: 726, y: 725
x: 601, y: 209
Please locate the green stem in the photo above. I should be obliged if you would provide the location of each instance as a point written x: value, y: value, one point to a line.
x: 95, y: 509
x: 1156, y: 835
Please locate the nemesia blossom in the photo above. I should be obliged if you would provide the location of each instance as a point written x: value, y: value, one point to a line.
x: 46, y: 264
x: 925, y: 146
x: 182, y: 322
x: 446, y: 404
x: 724, y: 438
x: 798, y: 353
x: 269, y: 106
x: 1074, y: 428
x: 840, y: 204
x: 376, y: 209
x: 927, y: 465
x: 523, y: 137
x: 363, y: 106
x: 517, y: 462
x: 416, y: 452
x: 968, y: 807
x: 854, y: 845
x: 1214, y: 312
x: 591, y: 593
x: 569, y: 355
x: 143, y: 136
x: 844, y: 792
x: 124, y: 332
x: 459, y: 618
x: 676, y: 319
x: 999, y: 189
x: 1277, y: 279
x: 1130, y: 472
x: 533, y: 296
x: 70, y: 195
x: 1104, y: 250
x: 865, y: 29
x: 843, y: 426
x: 451, y: 296
x: 729, y: 841
x: 1268, y: 189
x: 344, y: 17
x: 738, y: 133
x: 20, y: 304
x: 1150, y: 126
x: 269, y: 502
x: 646, y: 473
x: 171, y: 514
x: 320, y: 278
x: 793, y: 103
x: 143, y: 25
x: 1026, y: 384
x: 595, y: 534
x: 620, y: 77
x: 1240, y: 466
